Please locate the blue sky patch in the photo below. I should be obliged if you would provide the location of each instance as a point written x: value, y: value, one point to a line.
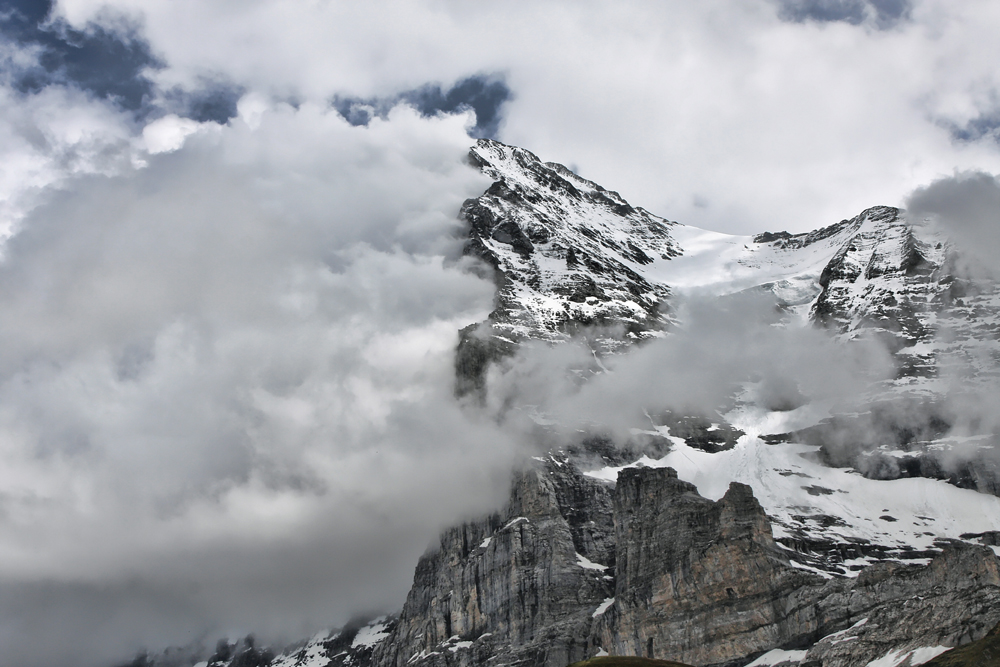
x: 885, y: 13
x: 485, y: 94
x: 104, y: 63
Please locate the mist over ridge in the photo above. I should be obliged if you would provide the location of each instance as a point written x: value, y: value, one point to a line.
x: 270, y: 332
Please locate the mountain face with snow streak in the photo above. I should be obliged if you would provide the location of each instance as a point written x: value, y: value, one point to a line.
x: 765, y: 535
x: 567, y: 255
x: 567, y: 252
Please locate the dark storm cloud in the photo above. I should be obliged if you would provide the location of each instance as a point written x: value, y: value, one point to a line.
x: 108, y: 63
x: 482, y: 93
x: 884, y: 13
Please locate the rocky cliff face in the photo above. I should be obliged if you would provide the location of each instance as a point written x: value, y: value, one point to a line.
x: 567, y: 252
x: 573, y: 567
x: 522, y: 583
x: 898, y: 610
x: 681, y: 577
x: 882, y: 277
x: 698, y: 581
x: 567, y: 255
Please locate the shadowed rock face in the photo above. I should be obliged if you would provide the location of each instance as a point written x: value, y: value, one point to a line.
x: 693, y: 580
x: 521, y: 584
x: 697, y: 581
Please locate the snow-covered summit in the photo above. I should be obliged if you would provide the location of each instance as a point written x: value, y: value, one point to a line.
x: 569, y: 255
x: 567, y: 252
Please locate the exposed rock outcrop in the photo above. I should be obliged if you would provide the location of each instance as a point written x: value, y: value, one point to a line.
x: 567, y: 256
x: 677, y: 576
x: 880, y: 278
x: 698, y: 581
x: 572, y: 568
x: 952, y: 601
x: 521, y: 584
x: 566, y: 252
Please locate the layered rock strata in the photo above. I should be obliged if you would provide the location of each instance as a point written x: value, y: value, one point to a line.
x: 521, y: 584
x: 571, y: 568
x: 698, y: 581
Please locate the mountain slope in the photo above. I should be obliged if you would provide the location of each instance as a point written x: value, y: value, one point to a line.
x: 876, y: 275
x: 767, y: 535
x: 567, y: 252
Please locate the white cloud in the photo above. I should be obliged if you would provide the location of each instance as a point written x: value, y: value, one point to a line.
x: 712, y: 113
x: 226, y: 385
x: 167, y: 134
x: 723, y: 347
x: 52, y: 135
x: 968, y: 206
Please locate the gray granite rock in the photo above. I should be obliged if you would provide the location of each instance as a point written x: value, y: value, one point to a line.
x: 571, y: 567
x: 521, y: 584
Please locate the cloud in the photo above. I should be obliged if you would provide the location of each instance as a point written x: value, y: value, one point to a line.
x: 106, y: 57
x: 779, y: 124
x: 986, y: 124
x: 724, y: 348
x: 226, y: 386
x: 53, y: 135
x: 168, y: 133
x: 967, y: 205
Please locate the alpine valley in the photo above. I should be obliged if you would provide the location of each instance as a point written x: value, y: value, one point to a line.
x: 774, y: 530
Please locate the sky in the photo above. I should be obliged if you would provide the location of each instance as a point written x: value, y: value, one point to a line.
x: 231, y: 276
